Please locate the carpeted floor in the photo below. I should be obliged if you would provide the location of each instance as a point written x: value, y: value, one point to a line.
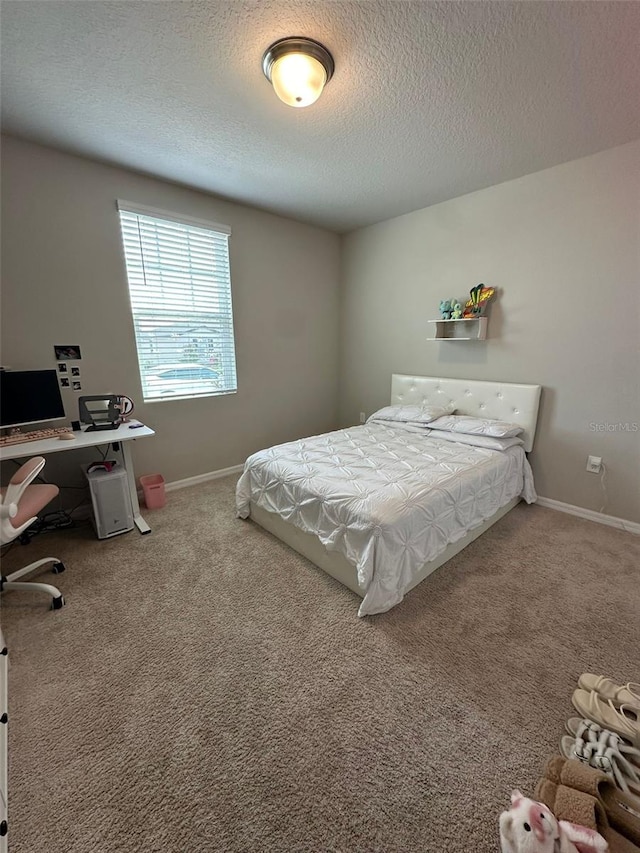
x: 207, y: 689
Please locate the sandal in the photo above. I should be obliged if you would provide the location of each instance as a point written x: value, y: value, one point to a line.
x: 607, y: 689
x: 592, y: 732
x: 599, y: 751
x: 624, y: 721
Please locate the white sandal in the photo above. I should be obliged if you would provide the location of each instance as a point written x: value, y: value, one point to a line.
x: 624, y: 721
x: 607, y: 689
x: 603, y: 750
x: 589, y: 731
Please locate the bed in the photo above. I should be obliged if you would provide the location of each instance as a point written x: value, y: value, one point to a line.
x: 381, y: 506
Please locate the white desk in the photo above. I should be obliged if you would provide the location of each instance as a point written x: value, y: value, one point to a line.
x: 123, y: 435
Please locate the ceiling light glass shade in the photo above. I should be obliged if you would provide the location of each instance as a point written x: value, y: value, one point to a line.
x: 298, y: 79
x: 298, y: 68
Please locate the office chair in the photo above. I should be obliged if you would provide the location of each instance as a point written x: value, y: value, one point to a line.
x: 19, y: 506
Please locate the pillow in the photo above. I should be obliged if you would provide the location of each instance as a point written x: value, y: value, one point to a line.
x: 487, y: 441
x: 477, y: 426
x: 411, y: 414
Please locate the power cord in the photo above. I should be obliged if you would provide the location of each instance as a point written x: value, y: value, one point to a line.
x: 58, y: 519
x: 603, y: 485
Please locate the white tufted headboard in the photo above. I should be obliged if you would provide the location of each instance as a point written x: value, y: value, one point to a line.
x: 505, y: 401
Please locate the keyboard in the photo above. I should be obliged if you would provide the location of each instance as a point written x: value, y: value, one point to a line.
x: 34, y: 435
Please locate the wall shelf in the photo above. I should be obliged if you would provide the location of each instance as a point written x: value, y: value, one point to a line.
x: 464, y: 329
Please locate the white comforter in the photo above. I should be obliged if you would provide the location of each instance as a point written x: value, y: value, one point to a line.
x: 389, y: 499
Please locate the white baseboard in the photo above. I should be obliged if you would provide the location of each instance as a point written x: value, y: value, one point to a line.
x: 203, y: 478
x: 591, y: 515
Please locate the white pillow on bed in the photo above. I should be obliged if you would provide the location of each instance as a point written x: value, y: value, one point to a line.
x: 411, y: 414
x: 487, y: 441
x: 477, y: 426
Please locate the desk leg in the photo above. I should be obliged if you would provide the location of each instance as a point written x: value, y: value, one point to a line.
x: 139, y: 521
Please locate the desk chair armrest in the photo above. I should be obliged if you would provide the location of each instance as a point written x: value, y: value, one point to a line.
x: 8, y: 510
x: 8, y: 532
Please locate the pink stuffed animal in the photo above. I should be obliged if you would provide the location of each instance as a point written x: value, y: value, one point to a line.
x: 530, y: 827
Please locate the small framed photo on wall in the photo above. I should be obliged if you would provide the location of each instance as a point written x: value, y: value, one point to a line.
x: 67, y: 352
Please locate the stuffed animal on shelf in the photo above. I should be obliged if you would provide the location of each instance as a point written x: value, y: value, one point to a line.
x: 445, y: 309
x: 456, y: 310
x: 530, y: 827
x: 478, y: 301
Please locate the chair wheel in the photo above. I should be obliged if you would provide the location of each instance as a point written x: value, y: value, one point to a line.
x: 57, y: 603
x: 58, y: 568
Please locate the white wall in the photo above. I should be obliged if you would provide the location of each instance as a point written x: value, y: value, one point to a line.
x: 64, y: 281
x: 562, y: 246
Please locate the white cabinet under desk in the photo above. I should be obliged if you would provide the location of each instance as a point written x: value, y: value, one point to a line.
x: 462, y: 329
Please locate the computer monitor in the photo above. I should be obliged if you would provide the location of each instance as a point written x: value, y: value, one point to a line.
x: 29, y: 397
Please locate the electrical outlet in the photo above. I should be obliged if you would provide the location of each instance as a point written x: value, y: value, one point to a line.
x: 363, y: 417
x: 594, y: 464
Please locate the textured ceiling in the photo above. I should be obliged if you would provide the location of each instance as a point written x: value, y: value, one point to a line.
x: 430, y: 100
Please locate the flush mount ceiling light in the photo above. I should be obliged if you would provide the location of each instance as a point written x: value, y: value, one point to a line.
x: 298, y: 69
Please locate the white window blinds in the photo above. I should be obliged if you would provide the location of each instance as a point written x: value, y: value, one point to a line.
x: 180, y: 288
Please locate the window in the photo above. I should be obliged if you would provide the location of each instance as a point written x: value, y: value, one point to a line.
x: 180, y: 289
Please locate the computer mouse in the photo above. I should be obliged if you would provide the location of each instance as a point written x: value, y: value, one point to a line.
x: 65, y: 436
